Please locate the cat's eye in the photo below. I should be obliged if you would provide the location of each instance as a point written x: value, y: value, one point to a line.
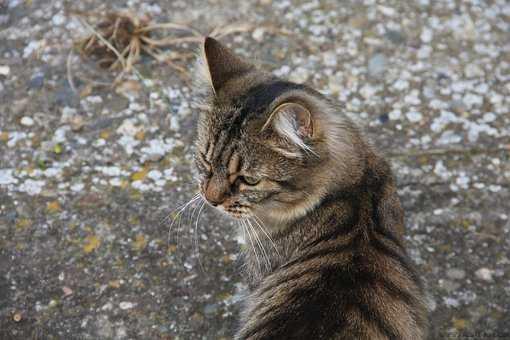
x: 250, y: 180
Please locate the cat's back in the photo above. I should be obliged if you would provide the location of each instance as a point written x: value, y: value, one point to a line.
x: 358, y: 286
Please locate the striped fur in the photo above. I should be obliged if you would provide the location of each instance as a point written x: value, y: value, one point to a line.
x: 331, y: 224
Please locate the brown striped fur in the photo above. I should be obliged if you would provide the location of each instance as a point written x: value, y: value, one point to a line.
x: 330, y: 224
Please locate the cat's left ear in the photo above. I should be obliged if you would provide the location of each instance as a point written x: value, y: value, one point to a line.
x: 218, y: 64
x: 293, y: 121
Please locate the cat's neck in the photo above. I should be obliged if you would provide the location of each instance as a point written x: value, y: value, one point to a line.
x: 333, y: 217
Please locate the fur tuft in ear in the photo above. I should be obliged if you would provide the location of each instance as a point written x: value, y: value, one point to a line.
x: 217, y: 65
x: 293, y: 122
x: 202, y: 81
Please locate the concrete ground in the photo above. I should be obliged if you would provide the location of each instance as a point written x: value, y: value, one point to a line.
x: 88, y: 179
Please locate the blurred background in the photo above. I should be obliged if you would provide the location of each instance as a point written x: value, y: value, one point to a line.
x: 94, y: 161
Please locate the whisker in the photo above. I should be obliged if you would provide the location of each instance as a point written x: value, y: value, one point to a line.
x: 169, y: 215
x: 239, y: 224
x: 179, y: 213
x: 190, y: 220
x: 251, y: 242
x: 265, y: 257
x: 197, y: 249
x: 191, y: 214
x: 259, y: 222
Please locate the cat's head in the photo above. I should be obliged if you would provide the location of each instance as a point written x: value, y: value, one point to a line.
x: 266, y: 146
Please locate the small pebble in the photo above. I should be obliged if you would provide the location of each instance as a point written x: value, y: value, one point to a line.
x: 77, y: 123
x: 414, y: 116
x: 258, y: 34
x: 126, y: 305
x: 58, y: 19
x: 471, y: 99
x: 395, y: 37
x: 17, y: 317
x: 395, y: 114
x: 154, y: 175
x: 37, y: 81
x: 27, y: 121
x: 67, y: 291
x: 31, y: 47
x: 489, y: 117
x: 4, y: 70
x: 484, y: 274
x: 426, y: 35
x: 107, y: 307
x: 377, y: 65
x: 77, y: 187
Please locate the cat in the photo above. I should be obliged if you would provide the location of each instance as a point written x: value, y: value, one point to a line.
x: 319, y: 206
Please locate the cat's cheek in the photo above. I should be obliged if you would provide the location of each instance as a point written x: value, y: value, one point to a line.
x: 268, y: 207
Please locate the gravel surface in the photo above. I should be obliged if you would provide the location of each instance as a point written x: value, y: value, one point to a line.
x: 88, y: 179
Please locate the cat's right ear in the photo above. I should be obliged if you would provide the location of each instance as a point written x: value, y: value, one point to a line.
x: 293, y: 122
x: 217, y: 65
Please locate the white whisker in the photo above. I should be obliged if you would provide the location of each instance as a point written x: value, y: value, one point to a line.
x: 197, y: 249
x: 191, y: 215
x: 181, y: 209
x: 259, y: 222
x: 265, y: 257
x: 251, y: 242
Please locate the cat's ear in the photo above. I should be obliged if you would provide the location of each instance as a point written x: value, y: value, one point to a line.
x: 292, y: 121
x: 219, y: 64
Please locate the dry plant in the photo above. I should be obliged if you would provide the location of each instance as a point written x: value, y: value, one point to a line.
x: 119, y: 40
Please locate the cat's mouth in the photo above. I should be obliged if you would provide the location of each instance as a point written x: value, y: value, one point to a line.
x: 237, y: 211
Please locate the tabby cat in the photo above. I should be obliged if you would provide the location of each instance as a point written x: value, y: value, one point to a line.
x: 325, y: 256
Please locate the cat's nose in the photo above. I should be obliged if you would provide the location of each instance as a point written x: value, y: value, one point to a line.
x: 214, y: 198
x: 216, y: 191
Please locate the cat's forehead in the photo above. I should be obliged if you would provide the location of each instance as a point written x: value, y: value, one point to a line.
x: 227, y: 127
x: 244, y: 109
x: 228, y: 133
x: 224, y: 119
